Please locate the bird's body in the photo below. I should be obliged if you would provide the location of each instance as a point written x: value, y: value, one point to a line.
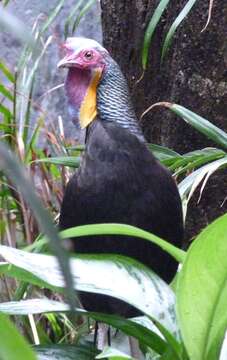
x: 120, y: 181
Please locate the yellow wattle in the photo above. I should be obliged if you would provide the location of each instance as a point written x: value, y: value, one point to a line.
x: 88, y: 109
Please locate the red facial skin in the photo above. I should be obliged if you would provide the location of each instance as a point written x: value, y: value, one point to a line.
x: 86, y: 59
x: 81, y: 66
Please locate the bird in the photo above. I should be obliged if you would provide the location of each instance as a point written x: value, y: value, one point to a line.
x: 119, y: 180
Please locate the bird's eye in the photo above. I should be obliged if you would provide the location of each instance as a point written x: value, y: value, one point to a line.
x: 88, y: 55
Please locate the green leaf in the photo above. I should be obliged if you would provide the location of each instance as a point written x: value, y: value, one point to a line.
x: 134, y: 327
x: 18, y: 176
x: 202, y: 293
x: 5, y: 111
x: 70, y: 17
x: 7, y: 72
x: 111, y: 353
x: 12, y: 344
x: 199, y: 123
x: 66, y: 352
x: 150, y: 30
x: 145, y: 290
x: 6, y: 92
x: 188, y: 186
x: 71, y: 161
x: 182, y: 15
x: 163, y: 153
x: 160, y: 152
x: 53, y: 14
x: 5, y: 3
x: 196, y: 159
x: 84, y: 10
x: 191, y: 182
x: 122, y: 229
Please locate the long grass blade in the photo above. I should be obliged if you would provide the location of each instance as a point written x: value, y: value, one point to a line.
x: 5, y: 92
x: 202, y: 125
x: 188, y: 186
x: 127, y: 230
x: 169, y: 37
x: 52, y: 16
x: 198, y: 122
x: 71, y: 161
x: 70, y: 17
x: 150, y: 30
x: 5, y: 111
x: 7, y: 72
x: 17, y: 175
x: 81, y: 14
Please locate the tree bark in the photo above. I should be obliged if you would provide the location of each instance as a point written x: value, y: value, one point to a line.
x: 194, y: 74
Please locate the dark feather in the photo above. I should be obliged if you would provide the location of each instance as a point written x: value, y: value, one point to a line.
x: 120, y: 181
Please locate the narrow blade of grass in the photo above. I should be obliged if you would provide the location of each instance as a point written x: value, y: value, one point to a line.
x: 7, y: 72
x: 81, y: 14
x: 6, y: 92
x: 169, y: 37
x: 5, y: 111
x: 70, y: 17
x: 52, y: 16
x: 201, y: 124
x: 71, y: 161
x: 122, y: 229
x: 17, y: 175
x: 150, y: 30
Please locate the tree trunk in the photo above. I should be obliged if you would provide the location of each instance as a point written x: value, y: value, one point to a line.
x: 193, y: 74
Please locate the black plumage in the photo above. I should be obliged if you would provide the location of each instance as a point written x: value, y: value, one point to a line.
x: 120, y: 181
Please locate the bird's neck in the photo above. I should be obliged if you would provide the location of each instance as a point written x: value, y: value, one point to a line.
x: 113, y: 101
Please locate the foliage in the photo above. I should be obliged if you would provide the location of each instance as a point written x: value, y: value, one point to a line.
x: 177, y: 322
x: 162, y: 6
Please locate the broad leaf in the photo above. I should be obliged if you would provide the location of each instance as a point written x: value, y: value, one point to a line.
x: 111, y: 353
x: 145, y: 290
x: 202, y: 293
x: 140, y: 328
x: 12, y: 344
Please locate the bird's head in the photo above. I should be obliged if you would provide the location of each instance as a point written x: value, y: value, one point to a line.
x: 87, y: 61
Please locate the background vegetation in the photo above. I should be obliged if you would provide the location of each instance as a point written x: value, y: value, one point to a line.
x: 186, y: 320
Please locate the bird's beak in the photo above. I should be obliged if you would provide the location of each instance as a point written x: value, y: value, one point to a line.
x: 67, y: 61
